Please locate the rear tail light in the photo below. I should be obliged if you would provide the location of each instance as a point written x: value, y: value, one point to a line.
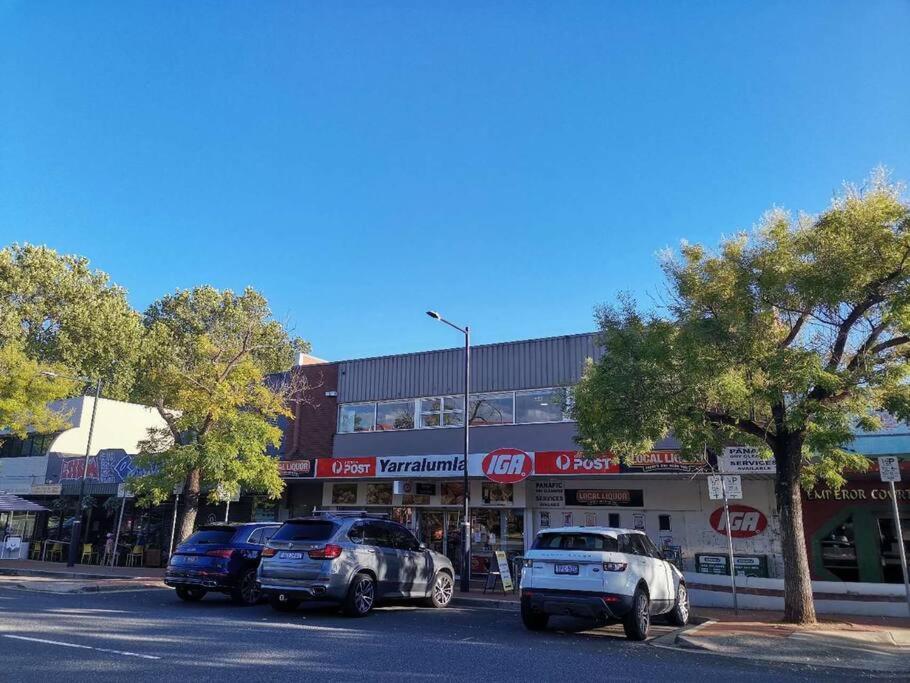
x: 609, y: 598
x: 329, y: 552
x: 269, y: 552
x: 614, y: 566
x: 226, y: 553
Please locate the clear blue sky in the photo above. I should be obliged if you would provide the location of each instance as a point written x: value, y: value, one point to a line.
x: 509, y: 164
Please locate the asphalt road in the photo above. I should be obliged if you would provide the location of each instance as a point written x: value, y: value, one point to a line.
x: 151, y: 635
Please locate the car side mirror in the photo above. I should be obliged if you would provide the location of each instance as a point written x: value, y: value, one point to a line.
x: 422, y: 546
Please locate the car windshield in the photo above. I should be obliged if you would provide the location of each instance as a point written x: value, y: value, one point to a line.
x: 211, y: 536
x: 568, y: 541
x: 305, y: 530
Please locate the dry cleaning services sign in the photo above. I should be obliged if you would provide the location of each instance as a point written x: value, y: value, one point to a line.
x: 745, y: 460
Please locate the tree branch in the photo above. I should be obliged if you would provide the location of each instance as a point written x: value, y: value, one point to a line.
x: 746, y: 426
x: 794, y: 331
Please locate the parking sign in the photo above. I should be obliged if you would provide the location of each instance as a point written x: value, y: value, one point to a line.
x: 889, y: 468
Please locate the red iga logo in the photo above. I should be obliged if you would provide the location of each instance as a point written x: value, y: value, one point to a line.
x: 507, y: 465
x: 745, y: 521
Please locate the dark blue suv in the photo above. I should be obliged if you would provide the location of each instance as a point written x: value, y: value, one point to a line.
x: 221, y: 558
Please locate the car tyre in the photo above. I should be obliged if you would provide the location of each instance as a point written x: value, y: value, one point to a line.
x: 247, y: 593
x: 288, y: 605
x: 441, y: 591
x: 361, y: 596
x: 679, y: 615
x: 638, y: 621
x: 534, y: 621
x: 188, y: 594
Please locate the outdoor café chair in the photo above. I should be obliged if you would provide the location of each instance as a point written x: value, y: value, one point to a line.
x: 135, y: 556
x: 88, y: 552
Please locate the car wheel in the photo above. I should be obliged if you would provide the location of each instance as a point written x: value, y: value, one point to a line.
x: 638, y: 620
x: 534, y: 621
x: 286, y: 605
x: 190, y: 594
x: 679, y: 615
x: 441, y: 592
x: 247, y: 593
x: 361, y: 596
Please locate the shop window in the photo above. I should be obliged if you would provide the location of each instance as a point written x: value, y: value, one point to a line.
x: 379, y: 494
x: 445, y: 411
x: 839, y: 552
x: 344, y: 494
x: 496, y: 494
x: 32, y: 445
x: 451, y: 493
x: 663, y: 522
x: 540, y: 405
x: 613, y: 520
x: 492, y: 409
x: 357, y: 418
x: 397, y: 415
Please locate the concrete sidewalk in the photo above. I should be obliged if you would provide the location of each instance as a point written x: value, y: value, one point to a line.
x: 876, y: 644
x: 56, y: 577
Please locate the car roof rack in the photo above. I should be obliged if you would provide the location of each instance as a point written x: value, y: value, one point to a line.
x: 350, y: 513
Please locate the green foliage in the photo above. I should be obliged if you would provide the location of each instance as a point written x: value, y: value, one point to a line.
x: 790, y: 335
x: 204, y: 363
x: 25, y: 393
x: 63, y: 312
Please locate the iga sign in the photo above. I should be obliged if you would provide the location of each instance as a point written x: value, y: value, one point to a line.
x: 573, y: 462
x: 745, y: 521
x: 507, y: 465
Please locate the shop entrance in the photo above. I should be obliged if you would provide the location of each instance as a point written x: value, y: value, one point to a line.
x: 440, y: 530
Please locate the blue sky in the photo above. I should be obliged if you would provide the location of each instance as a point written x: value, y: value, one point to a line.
x: 509, y: 164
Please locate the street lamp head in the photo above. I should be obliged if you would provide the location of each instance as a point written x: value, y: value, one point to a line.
x: 434, y: 315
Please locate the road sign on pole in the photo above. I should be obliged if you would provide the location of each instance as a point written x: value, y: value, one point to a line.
x: 721, y: 487
x: 890, y: 471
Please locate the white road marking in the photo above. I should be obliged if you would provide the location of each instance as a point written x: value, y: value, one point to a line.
x: 81, y: 647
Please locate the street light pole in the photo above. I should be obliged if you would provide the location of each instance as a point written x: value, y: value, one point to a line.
x: 76, y: 535
x: 76, y: 531
x: 466, y: 418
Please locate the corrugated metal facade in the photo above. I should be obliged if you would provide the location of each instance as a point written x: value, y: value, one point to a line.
x: 530, y: 364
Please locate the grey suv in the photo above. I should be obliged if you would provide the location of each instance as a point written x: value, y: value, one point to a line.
x: 354, y: 559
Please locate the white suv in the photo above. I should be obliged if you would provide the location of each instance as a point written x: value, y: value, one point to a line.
x: 608, y: 575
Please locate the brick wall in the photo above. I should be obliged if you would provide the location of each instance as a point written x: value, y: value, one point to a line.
x: 310, y: 435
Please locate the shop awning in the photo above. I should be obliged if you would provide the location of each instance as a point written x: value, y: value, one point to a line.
x: 11, y: 503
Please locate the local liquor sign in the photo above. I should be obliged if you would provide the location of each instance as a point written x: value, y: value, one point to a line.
x: 606, y: 497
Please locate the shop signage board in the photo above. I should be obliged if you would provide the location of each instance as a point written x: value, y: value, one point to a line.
x: 295, y: 469
x: 745, y: 460
x: 574, y: 463
x: 504, y: 572
x: 507, y: 465
x: 889, y: 468
x: 745, y: 521
x: 46, y: 489
x: 550, y: 494
x: 606, y: 497
x: 661, y: 461
x: 746, y: 565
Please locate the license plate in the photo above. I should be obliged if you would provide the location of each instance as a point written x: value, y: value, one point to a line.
x: 567, y: 569
x: 290, y: 556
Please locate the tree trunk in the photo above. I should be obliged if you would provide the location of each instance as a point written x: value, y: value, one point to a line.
x: 190, y: 506
x: 799, y: 606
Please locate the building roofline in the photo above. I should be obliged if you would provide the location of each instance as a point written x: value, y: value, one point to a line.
x: 473, y: 347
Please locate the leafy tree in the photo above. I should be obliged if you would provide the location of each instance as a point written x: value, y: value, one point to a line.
x: 63, y: 312
x: 785, y: 338
x: 25, y: 393
x: 204, y: 365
